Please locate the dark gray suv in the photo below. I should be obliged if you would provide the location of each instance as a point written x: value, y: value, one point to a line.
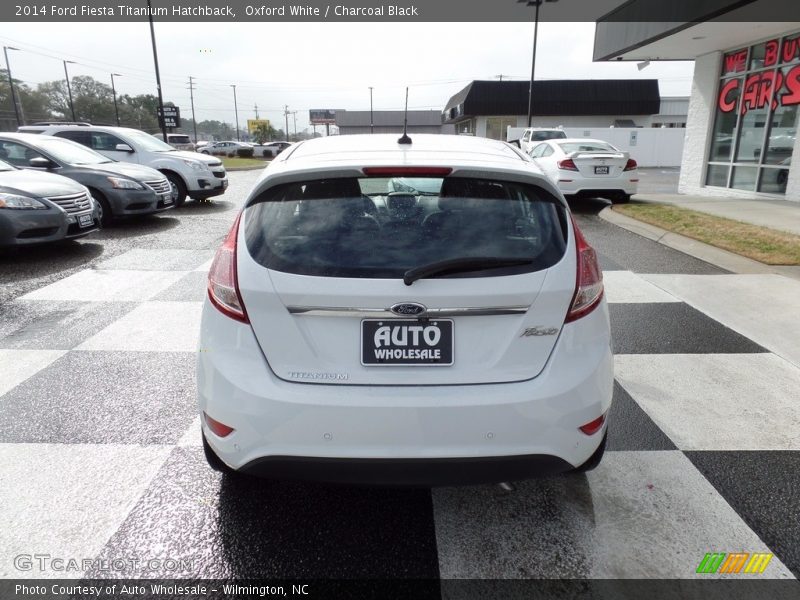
x: 120, y: 189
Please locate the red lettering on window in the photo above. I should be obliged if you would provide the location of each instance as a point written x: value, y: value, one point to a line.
x: 735, y: 61
x: 750, y: 93
x: 771, y: 53
x: 792, y: 96
x: 726, y: 102
x: 769, y: 81
x: 790, y: 49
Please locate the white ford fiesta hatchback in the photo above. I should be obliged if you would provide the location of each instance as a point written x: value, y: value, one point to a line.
x: 454, y: 331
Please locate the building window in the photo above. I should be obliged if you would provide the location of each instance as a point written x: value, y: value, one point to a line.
x: 756, y: 117
x: 466, y: 127
x: 496, y: 127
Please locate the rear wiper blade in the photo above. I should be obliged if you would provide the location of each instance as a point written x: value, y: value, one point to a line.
x: 460, y: 265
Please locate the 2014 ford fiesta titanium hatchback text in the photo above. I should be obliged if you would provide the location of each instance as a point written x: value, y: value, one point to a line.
x: 452, y: 332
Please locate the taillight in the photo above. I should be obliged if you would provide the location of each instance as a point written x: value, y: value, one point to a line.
x: 219, y: 429
x: 589, y: 281
x: 630, y: 165
x: 567, y: 165
x: 594, y: 426
x: 223, y: 286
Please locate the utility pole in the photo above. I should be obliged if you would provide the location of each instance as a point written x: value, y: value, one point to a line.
x: 537, y: 4
x: 371, y: 123
x: 69, y: 88
x: 255, y: 107
x: 286, y: 117
x: 191, y: 101
x: 114, y: 92
x: 235, y: 110
x: 294, y: 117
x: 11, y: 84
x: 158, y: 75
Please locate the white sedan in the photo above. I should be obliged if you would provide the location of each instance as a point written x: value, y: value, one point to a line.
x: 452, y: 331
x: 227, y: 148
x: 587, y: 168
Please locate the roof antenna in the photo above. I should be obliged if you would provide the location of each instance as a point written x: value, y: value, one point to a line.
x: 405, y: 139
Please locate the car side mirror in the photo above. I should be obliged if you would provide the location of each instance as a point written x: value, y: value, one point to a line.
x: 40, y: 162
x: 123, y: 148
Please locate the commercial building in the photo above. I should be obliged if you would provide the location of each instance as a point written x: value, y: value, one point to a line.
x: 390, y: 121
x: 741, y: 132
x: 488, y: 108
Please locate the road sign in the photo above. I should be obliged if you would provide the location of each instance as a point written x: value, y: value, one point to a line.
x: 254, y: 124
x: 171, y: 117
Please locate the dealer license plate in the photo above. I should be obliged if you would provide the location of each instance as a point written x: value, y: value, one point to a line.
x: 85, y: 221
x: 394, y: 342
x: 601, y: 170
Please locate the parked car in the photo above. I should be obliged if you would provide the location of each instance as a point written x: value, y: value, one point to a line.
x: 352, y: 333
x: 588, y: 168
x: 272, y: 149
x: 38, y: 208
x: 179, y: 141
x: 189, y: 173
x: 120, y: 189
x: 228, y: 148
x: 533, y: 135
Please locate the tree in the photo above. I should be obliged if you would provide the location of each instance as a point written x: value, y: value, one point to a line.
x: 32, y: 105
x: 264, y: 133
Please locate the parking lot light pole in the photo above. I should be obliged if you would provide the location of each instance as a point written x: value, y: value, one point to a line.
x: 235, y: 110
x: 69, y: 88
x: 537, y: 4
x: 371, y: 124
x: 114, y: 92
x: 11, y: 83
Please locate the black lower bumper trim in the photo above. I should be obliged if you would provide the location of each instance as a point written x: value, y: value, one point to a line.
x: 427, y: 472
x: 206, y: 193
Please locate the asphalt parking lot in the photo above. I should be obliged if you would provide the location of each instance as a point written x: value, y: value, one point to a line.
x: 100, y: 454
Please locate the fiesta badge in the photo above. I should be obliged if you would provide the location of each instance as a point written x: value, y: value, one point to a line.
x: 409, y: 309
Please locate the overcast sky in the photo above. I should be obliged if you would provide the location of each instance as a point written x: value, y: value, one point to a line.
x: 315, y: 65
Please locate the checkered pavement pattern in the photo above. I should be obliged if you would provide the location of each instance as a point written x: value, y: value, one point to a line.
x: 100, y: 450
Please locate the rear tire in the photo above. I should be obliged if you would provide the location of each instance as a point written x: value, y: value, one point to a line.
x: 621, y: 199
x: 595, y: 458
x: 178, y: 189
x: 214, y: 461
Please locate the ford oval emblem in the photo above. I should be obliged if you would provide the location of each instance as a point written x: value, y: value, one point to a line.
x: 409, y: 309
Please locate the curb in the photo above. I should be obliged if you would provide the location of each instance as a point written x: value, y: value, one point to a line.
x: 700, y: 250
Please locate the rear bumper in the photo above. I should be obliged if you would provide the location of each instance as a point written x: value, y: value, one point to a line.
x: 597, y: 186
x: 427, y: 435
x: 424, y: 472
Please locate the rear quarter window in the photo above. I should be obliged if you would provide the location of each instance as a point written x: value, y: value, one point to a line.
x: 355, y: 227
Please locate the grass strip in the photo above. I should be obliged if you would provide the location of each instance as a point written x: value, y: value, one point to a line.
x: 765, y: 245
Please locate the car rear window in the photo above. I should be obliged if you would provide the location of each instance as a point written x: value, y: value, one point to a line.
x: 541, y: 136
x: 587, y: 147
x: 382, y: 227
